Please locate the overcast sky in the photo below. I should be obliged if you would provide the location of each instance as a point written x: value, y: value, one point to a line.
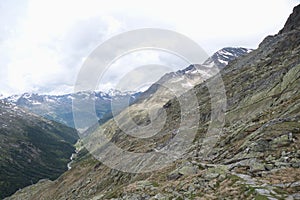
x: 44, y: 43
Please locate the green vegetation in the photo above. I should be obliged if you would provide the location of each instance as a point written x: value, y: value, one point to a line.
x: 31, y: 149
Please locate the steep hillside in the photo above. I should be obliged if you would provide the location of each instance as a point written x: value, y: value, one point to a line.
x: 251, y: 154
x: 31, y: 148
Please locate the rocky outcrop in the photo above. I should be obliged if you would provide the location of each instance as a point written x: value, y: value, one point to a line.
x: 293, y: 22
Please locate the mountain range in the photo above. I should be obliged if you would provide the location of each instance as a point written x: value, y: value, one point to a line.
x: 59, y: 107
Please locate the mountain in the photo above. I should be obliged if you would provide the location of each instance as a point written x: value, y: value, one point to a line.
x: 59, y: 107
x: 222, y: 57
x: 31, y: 148
x: 183, y: 80
x: 247, y: 149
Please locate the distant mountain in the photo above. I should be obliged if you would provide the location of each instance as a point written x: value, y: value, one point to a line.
x: 222, y: 57
x: 183, y: 80
x: 59, y: 107
x: 31, y: 148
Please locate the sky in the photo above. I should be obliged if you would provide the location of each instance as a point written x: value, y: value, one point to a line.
x: 43, y: 44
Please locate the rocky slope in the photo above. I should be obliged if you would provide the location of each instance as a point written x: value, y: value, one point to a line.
x: 172, y: 85
x: 253, y: 153
x: 31, y: 148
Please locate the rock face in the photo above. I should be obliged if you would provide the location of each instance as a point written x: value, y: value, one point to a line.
x: 31, y: 148
x: 293, y: 22
x: 254, y: 156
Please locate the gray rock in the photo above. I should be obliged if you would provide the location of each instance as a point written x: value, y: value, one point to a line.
x: 210, y: 176
x: 188, y: 170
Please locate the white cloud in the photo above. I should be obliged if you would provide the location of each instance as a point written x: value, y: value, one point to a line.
x: 136, y: 63
x: 43, y: 43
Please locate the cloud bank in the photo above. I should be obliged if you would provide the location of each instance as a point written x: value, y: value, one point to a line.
x: 44, y: 43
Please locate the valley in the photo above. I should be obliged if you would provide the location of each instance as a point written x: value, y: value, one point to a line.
x: 228, y: 128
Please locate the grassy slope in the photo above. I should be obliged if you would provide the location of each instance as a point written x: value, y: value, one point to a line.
x: 31, y: 148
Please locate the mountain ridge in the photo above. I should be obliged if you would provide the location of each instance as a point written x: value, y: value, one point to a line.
x: 196, y: 73
x: 31, y: 148
x: 59, y: 107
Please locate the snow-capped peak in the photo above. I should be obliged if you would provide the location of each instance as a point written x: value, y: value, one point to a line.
x: 115, y: 92
x: 13, y: 98
x: 26, y: 95
x: 222, y: 57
